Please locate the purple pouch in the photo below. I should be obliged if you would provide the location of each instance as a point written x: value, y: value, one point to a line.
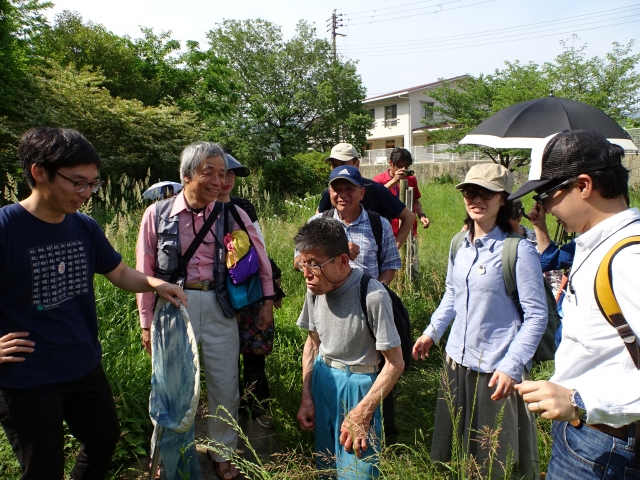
x: 245, y: 268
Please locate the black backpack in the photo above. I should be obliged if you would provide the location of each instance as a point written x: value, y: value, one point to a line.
x: 400, y: 318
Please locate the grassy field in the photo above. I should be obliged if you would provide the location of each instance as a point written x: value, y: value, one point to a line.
x: 119, y: 208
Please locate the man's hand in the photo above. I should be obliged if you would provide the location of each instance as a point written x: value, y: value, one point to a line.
x: 503, y: 383
x: 354, y: 251
x: 354, y: 431
x: 146, y: 339
x: 172, y: 293
x: 537, y: 216
x: 551, y: 400
x: 14, y: 343
x: 422, y: 346
x: 265, y: 315
x: 425, y: 222
x: 307, y: 414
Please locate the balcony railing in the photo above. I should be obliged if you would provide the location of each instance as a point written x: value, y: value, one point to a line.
x: 428, y: 154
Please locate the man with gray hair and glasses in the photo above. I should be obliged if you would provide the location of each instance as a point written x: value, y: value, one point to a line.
x: 50, y: 356
x: 343, y: 386
x: 594, y: 393
x: 167, y: 230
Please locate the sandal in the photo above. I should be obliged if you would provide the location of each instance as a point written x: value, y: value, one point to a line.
x: 225, y: 468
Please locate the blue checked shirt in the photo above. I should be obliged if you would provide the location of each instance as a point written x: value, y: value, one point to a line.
x: 488, y: 333
x: 360, y: 233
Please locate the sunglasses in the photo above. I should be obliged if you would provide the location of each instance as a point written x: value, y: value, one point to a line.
x: 540, y: 198
x: 471, y: 193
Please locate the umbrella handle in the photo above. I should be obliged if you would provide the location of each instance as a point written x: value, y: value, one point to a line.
x: 155, y: 460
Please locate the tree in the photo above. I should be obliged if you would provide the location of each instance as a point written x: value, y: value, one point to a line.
x: 130, y: 137
x: 291, y: 95
x: 610, y: 84
x: 146, y: 68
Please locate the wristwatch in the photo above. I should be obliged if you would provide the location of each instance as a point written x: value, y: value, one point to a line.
x: 578, y: 404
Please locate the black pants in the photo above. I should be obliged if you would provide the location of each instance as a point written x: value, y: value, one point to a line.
x: 32, y: 420
x: 254, y: 385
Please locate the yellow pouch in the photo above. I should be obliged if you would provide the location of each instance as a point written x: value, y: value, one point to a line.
x: 237, y: 244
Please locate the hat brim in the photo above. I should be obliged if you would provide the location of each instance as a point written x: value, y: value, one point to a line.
x: 489, y: 186
x: 340, y: 158
x: 241, y: 171
x: 528, y: 187
x: 348, y: 179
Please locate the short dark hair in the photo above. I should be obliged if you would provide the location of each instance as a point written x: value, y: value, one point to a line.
x: 398, y: 154
x: 322, y: 235
x: 611, y: 182
x: 54, y: 148
x: 504, y: 215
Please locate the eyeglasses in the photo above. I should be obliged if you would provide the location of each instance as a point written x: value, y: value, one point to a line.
x: 314, y: 268
x: 81, y: 185
x: 544, y: 196
x: 471, y: 193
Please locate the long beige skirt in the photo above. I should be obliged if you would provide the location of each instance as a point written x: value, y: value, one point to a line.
x: 465, y: 397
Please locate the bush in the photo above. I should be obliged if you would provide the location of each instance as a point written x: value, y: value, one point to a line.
x: 293, y: 176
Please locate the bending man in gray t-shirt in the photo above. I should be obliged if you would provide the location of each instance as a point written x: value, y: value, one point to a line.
x: 342, y: 388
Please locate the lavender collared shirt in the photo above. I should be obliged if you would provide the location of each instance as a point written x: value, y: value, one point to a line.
x: 488, y: 333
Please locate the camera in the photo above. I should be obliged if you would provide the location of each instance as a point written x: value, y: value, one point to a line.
x: 410, y: 173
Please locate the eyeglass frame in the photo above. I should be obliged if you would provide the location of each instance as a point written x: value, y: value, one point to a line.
x: 95, y: 185
x: 542, y: 197
x: 478, y: 194
x: 300, y: 264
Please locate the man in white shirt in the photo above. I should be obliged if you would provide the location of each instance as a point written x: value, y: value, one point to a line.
x: 594, y: 395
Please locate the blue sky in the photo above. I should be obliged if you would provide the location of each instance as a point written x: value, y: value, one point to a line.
x: 398, y: 43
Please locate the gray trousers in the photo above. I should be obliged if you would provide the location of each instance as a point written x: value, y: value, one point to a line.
x: 219, y: 343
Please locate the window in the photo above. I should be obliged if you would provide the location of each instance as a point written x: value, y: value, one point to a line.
x: 391, y: 115
x: 390, y: 144
x: 372, y: 113
x: 428, y: 112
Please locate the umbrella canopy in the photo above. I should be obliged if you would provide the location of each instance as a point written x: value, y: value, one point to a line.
x: 158, y: 190
x: 529, y: 124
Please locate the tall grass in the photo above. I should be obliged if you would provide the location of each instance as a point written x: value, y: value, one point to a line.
x: 119, y: 208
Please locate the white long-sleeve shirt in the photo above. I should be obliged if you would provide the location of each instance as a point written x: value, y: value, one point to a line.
x: 592, y: 357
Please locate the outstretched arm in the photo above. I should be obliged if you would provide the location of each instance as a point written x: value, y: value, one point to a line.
x: 131, y: 280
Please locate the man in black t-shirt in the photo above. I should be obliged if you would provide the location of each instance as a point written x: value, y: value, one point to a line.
x: 377, y: 197
x: 50, y: 355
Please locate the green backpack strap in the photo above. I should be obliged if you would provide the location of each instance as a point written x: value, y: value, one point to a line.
x: 456, y: 243
x: 509, y: 258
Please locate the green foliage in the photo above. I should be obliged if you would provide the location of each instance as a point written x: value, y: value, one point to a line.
x: 130, y: 137
x: 292, y: 96
x: 611, y: 84
x: 292, y: 175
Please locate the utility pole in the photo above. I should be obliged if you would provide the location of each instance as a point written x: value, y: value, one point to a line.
x: 335, y: 18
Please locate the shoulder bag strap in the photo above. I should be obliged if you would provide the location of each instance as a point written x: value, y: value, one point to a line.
x: 509, y: 258
x: 607, y: 303
x: 184, y: 260
x: 456, y: 243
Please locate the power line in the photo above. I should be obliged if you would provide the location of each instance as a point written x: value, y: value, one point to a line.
x: 386, y: 8
x: 613, y: 11
x: 466, y: 40
x: 420, y: 14
x: 493, y: 43
x: 401, y: 11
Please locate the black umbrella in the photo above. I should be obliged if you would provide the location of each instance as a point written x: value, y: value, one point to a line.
x: 528, y: 124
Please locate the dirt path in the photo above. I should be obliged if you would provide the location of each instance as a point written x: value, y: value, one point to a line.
x: 263, y: 441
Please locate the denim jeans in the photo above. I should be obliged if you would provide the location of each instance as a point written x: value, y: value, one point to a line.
x: 32, y: 419
x: 585, y: 453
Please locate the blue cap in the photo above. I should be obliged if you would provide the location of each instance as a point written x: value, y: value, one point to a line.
x: 239, y: 169
x: 348, y: 173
